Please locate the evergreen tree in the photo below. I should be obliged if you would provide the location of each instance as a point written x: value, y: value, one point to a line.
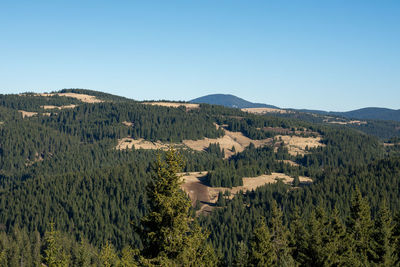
x: 383, y: 247
x: 262, y: 252
x: 55, y: 255
x: 338, y: 246
x: 318, y: 253
x: 395, y: 239
x: 221, y: 200
x: 280, y: 237
x: 360, y: 229
x: 299, y: 238
x: 169, y: 234
x: 242, y: 255
x: 108, y: 256
x: 128, y: 257
x: 296, y: 181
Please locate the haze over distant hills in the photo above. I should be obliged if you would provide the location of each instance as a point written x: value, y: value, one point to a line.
x: 374, y: 113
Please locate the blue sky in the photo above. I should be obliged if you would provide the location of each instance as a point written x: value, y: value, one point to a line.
x: 331, y: 55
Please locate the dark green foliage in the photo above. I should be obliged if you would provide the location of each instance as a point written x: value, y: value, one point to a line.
x: 99, y: 205
x: 280, y: 237
x: 384, y: 250
x: 383, y: 129
x: 395, y: 239
x: 64, y: 169
x: 262, y: 252
x: 168, y: 233
x: 20, y: 248
x: 378, y: 181
x: 214, y: 148
x: 29, y: 102
x: 251, y: 162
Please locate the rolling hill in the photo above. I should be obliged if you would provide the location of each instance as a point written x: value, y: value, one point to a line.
x: 76, y: 167
x: 229, y: 101
x: 370, y: 113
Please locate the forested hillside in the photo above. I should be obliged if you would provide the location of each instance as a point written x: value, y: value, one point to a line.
x: 383, y: 128
x: 65, y: 182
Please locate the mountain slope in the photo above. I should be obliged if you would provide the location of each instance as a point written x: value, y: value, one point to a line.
x: 60, y: 166
x: 372, y: 113
x: 229, y: 101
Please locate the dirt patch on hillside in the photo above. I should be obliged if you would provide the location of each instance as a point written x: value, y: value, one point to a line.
x: 390, y: 144
x: 290, y: 162
x: 297, y: 145
x: 38, y: 157
x: 356, y: 122
x: 252, y: 183
x: 128, y: 143
x: 82, y: 97
x: 127, y: 123
x: 188, y: 106
x: 194, y: 185
x: 229, y: 140
x: 58, y: 107
x: 266, y: 110
x: 27, y: 113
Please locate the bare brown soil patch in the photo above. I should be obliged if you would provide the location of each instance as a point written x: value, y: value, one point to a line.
x: 297, y: 144
x: 389, y: 144
x: 266, y: 110
x: 58, y: 107
x: 27, y: 113
x: 346, y: 122
x: 82, y: 97
x: 252, y: 183
x: 127, y: 123
x: 38, y: 158
x: 173, y: 104
x: 195, y: 188
x: 229, y: 140
x: 198, y: 191
x: 290, y: 162
x: 128, y: 143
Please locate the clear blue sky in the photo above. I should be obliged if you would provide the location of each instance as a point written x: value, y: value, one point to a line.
x: 331, y: 55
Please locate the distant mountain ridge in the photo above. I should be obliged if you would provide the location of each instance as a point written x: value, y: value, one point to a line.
x: 228, y: 100
x: 372, y: 113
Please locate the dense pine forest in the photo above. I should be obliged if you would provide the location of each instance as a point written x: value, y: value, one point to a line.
x: 69, y: 197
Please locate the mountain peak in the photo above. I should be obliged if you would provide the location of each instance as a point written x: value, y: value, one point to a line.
x: 229, y: 100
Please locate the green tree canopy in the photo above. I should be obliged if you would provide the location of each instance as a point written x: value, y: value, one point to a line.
x: 169, y: 234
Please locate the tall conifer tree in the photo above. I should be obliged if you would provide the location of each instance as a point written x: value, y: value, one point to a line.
x: 262, y: 252
x: 360, y: 229
x: 170, y: 235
